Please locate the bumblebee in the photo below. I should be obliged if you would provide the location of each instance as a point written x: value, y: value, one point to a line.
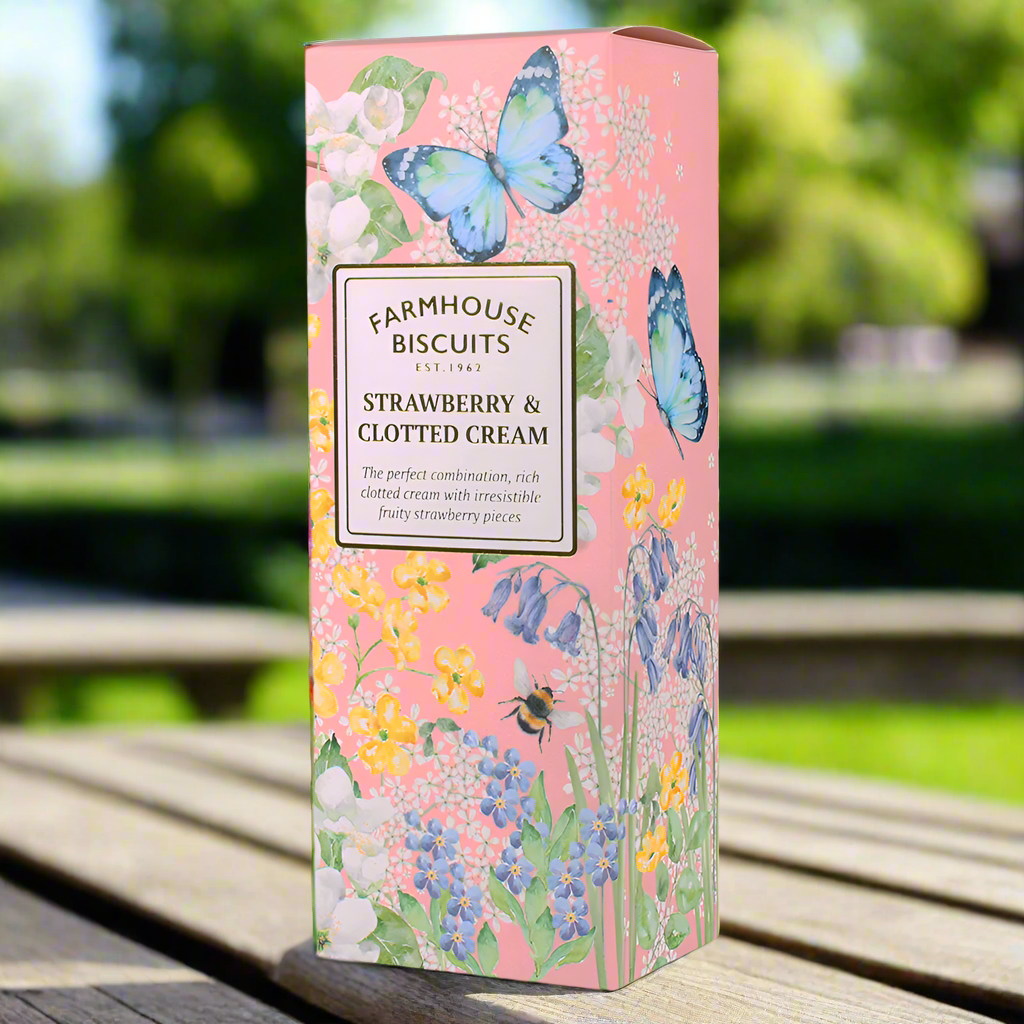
x: 536, y: 707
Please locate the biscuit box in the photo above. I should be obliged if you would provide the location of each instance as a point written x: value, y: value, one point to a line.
x: 513, y: 425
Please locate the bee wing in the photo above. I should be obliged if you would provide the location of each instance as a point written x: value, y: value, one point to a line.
x: 565, y: 719
x: 521, y: 678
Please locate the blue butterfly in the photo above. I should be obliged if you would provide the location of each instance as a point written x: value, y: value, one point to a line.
x: 470, y: 190
x: 680, y: 384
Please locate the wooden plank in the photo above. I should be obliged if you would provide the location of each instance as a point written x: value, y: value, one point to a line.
x: 959, y: 881
x: 235, y: 896
x: 58, y: 967
x: 898, y: 939
x: 728, y: 982
x: 993, y: 849
x: 255, y: 904
x: 15, y: 1011
x: 256, y: 814
x: 877, y: 796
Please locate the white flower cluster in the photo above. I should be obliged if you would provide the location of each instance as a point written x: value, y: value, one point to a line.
x: 345, y: 135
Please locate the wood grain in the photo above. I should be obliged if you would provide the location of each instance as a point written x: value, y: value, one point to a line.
x: 728, y: 982
x: 876, y: 796
x: 55, y: 966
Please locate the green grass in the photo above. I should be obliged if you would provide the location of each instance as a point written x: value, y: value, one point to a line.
x: 971, y: 750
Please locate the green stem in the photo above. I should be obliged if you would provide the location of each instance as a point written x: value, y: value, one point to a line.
x: 597, y: 912
x: 361, y: 657
x: 696, y: 911
x: 705, y: 857
x: 631, y: 852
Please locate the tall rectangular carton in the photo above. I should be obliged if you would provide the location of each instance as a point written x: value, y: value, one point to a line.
x: 513, y: 427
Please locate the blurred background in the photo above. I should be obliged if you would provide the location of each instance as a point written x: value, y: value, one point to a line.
x: 152, y: 372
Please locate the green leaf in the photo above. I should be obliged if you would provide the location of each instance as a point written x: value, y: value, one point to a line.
x: 533, y: 847
x: 436, y: 908
x: 428, y: 747
x: 649, y: 923
x: 447, y: 725
x: 396, y: 939
x: 604, y: 782
x: 387, y: 224
x: 330, y: 848
x: 469, y: 963
x: 569, y: 953
x: 426, y: 728
x: 330, y: 756
x: 688, y: 890
x: 591, y: 353
x: 676, y: 835
x: 506, y: 902
x: 487, y: 949
x: 414, y: 913
x: 415, y: 95
x: 543, y: 810
x: 398, y: 74
x: 562, y: 835
x: 698, y: 829
x: 542, y: 936
x: 660, y: 962
x: 653, y: 785
x: 677, y: 927
x: 353, y: 620
x: 662, y: 881
x: 536, y: 899
x: 481, y: 560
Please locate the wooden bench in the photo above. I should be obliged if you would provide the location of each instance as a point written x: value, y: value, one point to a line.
x: 843, y: 900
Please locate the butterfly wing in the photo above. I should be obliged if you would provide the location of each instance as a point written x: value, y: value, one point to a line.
x: 680, y: 382
x: 544, y: 172
x: 449, y: 183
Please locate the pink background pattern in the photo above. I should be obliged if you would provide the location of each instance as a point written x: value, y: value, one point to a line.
x: 643, y: 120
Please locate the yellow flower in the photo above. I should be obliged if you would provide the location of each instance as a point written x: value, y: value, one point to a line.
x: 423, y: 578
x: 639, y: 489
x: 397, y: 633
x: 671, y: 505
x: 386, y: 728
x: 314, y: 328
x: 357, y: 590
x: 653, y: 847
x: 458, y: 678
x: 673, y: 780
x: 328, y: 671
x: 322, y: 538
x: 320, y: 502
x: 321, y: 420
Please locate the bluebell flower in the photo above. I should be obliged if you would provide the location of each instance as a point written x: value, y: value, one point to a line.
x: 602, y: 862
x: 470, y: 739
x: 465, y: 903
x: 432, y: 874
x: 653, y: 674
x: 699, y: 646
x: 490, y: 744
x: 515, y: 772
x: 499, y: 803
x: 535, y: 619
x: 457, y: 937
x: 699, y: 721
x: 670, y: 638
x: 598, y: 826
x: 486, y: 765
x: 514, y: 870
x: 681, y: 662
x: 659, y: 578
x: 566, y: 877
x: 646, y: 633
x: 639, y: 591
x: 518, y: 582
x: 567, y: 634
x: 522, y: 621
x: 412, y: 841
x: 670, y: 554
x: 516, y: 838
x: 501, y: 593
x: 692, y: 780
x: 438, y: 840
x: 412, y: 818
x: 570, y: 918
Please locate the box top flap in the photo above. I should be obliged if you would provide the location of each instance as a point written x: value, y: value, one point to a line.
x: 653, y: 34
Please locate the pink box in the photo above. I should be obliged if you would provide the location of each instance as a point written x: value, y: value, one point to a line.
x: 513, y: 425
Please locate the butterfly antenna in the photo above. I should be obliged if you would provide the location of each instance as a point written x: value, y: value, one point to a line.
x: 648, y: 390
x: 472, y: 141
x: 483, y: 124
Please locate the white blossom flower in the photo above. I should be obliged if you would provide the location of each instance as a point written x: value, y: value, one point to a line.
x: 318, y: 117
x: 586, y: 527
x: 348, y: 160
x: 380, y: 115
x: 349, y: 929
x: 595, y: 453
x: 622, y: 372
x: 346, y: 224
x: 319, y: 203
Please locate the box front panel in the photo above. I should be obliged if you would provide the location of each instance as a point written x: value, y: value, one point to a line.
x: 512, y: 277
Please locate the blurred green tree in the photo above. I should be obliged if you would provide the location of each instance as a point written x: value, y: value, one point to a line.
x: 848, y: 134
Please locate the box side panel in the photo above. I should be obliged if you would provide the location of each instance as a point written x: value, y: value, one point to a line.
x: 671, y: 113
x: 420, y: 657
